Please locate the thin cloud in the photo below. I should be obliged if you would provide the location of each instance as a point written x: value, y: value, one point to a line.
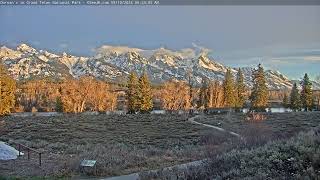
x: 36, y: 43
x: 279, y: 61
x: 203, y: 50
x: 63, y: 45
x: 295, y: 59
x: 312, y: 58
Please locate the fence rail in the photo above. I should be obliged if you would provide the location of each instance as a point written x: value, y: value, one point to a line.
x: 29, y: 149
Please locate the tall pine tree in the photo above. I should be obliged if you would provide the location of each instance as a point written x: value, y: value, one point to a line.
x: 285, y: 101
x: 59, y: 104
x: 7, y: 91
x: 295, y: 103
x: 241, y: 88
x: 146, y: 103
x: 203, y: 95
x: 229, y: 93
x: 306, y: 93
x: 259, y: 93
x: 133, y: 93
x: 190, y: 91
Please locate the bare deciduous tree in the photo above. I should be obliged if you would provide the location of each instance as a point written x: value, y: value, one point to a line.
x: 175, y: 95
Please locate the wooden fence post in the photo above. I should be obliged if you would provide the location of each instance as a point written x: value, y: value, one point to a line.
x: 19, y: 148
x: 40, y: 159
x: 28, y: 154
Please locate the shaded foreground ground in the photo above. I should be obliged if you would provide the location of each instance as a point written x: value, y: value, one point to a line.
x: 277, y: 124
x: 120, y: 144
x: 294, y: 158
x: 133, y: 143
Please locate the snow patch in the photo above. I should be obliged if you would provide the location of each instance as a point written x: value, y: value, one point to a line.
x: 106, y: 50
x: 7, y: 152
x: 26, y: 49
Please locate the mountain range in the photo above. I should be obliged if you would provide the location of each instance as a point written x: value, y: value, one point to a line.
x: 114, y: 63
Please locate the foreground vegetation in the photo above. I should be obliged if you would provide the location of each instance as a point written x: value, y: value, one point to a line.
x: 120, y: 144
x: 296, y: 158
x: 276, y: 124
x: 133, y: 143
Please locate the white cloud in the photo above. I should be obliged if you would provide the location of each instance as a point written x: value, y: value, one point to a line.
x: 312, y: 58
x: 203, y: 50
x: 279, y: 61
x: 294, y: 59
x: 36, y: 43
x: 63, y: 45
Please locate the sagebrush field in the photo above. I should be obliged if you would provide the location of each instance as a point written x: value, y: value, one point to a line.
x: 121, y: 144
x: 133, y: 143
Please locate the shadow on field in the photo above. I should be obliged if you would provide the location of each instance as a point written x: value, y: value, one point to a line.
x: 297, y: 157
x: 135, y: 143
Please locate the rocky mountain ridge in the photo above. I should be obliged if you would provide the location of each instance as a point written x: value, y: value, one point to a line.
x: 114, y: 63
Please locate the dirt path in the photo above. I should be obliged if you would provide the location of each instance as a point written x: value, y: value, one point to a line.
x: 192, y: 120
x: 135, y: 176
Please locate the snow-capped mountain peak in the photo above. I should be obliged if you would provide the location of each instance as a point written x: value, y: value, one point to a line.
x: 107, y: 50
x: 24, y: 48
x: 7, y: 53
x: 205, y: 62
x: 68, y: 60
x: 116, y: 62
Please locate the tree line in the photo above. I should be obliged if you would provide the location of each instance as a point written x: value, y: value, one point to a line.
x: 89, y: 94
x: 181, y: 95
x: 7, y: 90
x: 139, y: 93
x: 70, y: 95
x: 231, y: 93
x: 303, y: 99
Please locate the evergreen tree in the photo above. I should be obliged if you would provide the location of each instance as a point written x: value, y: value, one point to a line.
x: 7, y: 91
x: 241, y: 88
x: 285, y: 101
x: 190, y: 90
x: 59, y: 104
x: 295, y: 103
x: 203, y: 94
x: 306, y: 93
x: 146, y: 103
x: 229, y: 93
x: 259, y: 93
x: 133, y: 93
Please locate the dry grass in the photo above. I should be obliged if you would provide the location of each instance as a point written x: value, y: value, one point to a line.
x: 121, y: 144
x: 280, y: 124
x: 294, y: 158
x: 133, y: 143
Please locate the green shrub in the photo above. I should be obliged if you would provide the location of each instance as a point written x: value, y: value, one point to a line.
x: 296, y: 158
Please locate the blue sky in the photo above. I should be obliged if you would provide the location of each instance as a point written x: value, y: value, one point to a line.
x: 285, y: 38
